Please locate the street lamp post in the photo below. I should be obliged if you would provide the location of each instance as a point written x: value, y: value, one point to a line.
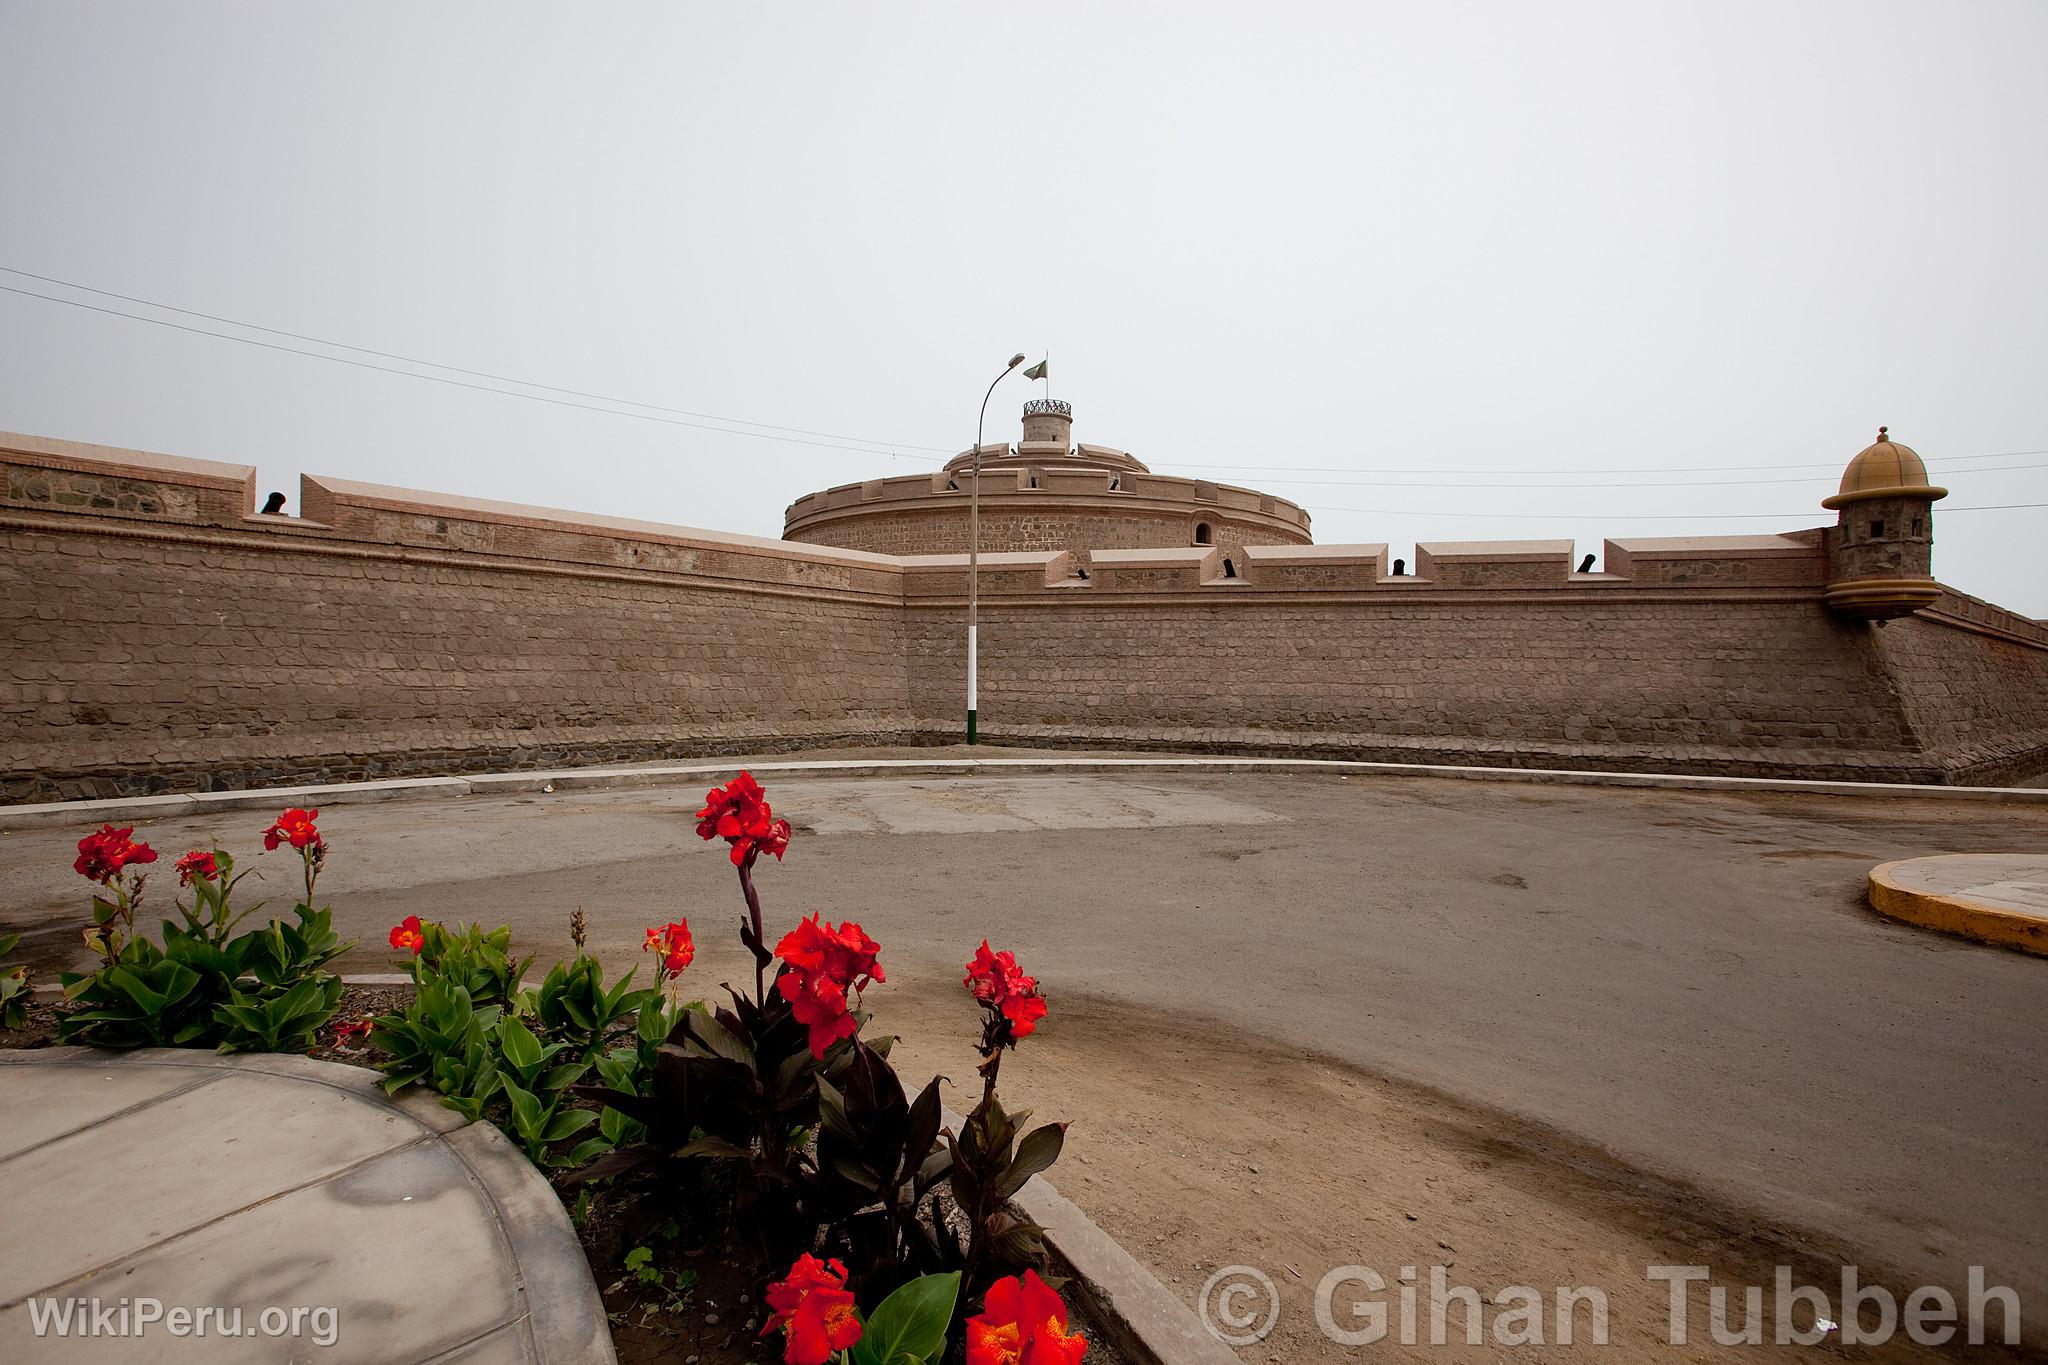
x: 974, y: 548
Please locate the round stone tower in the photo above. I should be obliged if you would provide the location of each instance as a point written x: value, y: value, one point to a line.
x: 1046, y: 492
x: 1881, y: 551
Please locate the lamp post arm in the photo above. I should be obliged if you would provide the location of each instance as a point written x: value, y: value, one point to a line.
x: 982, y: 421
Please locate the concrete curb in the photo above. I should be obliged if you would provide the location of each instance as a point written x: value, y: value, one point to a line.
x: 1147, y: 1321
x: 86, y: 813
x: 1959, y: 915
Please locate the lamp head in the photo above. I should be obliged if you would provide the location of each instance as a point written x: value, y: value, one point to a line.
x: 1016, y: 360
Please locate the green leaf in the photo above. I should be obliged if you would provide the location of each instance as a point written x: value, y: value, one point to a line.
x: 618, y: 1128
x: 793, y: 1068
x: 132, y: 985
x: 567, y: 1123
x: 653, y: 1023
x: 718, y: 1039
x: 832, y: 1110
x: 910, y: 1325
x: 526, y: 1110
x: 936, y: 1167
x: 560, y: 1078
x: 586, y: 1150
x: 1039, y: 1149
x: 522, y: 1049
x: 1020, y: 1243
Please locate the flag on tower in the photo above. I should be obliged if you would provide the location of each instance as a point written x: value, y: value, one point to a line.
x: 1038, y: 371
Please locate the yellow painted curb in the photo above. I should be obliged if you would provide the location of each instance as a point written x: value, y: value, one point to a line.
x: 1954, y: 915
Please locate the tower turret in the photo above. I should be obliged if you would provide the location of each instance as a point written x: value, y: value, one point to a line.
x: 1881, y: 550
x: 1049, y: 420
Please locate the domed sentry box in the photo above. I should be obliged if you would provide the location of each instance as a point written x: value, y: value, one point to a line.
x: 1881, y: 550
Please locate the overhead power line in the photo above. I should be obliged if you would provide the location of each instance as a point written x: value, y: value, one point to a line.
x: 457, y: 369
x: 826, y: 440
x: 1655, y: 516
x: 1684, y: 483
x: 1835, y: 465
x: 766, y: 435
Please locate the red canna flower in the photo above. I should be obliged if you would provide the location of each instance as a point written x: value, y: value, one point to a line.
x: 1024, y: 1012
x: 734, y: 802
x: 353, y: 1028
x: 825, y: 963
x: 819, y: 1004
x: 739, y: 813
x: 674, y: 944
x: 295, y: 827
x: 845, y: 956
x: 198, y: 863
x: 1022, y: 1322
x: 999, y: 984
x: 103, y: 854
x: 814, y: 1311
x: 409, y: 935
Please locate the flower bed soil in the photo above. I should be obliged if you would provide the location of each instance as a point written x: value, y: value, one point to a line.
x: 357, y: 1002
x: 41, y: 1028
x: 717, y: 1319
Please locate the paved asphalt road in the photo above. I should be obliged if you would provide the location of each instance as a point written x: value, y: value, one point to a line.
x: 1688, y: 981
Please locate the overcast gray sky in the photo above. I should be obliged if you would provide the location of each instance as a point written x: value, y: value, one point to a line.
x: 1670, y: 266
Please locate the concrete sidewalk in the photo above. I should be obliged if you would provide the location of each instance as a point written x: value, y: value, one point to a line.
x: 372, y: 1229
x: 707, y: 772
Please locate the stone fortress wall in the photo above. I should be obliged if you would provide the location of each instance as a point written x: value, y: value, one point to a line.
x: 157, y: 634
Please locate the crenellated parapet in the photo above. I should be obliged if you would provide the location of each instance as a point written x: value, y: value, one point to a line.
x: 543, y: 536
x: 125, y: 491
x: 131, y: 490
x: 1775, y: 565
x: 130, y: 493
x: 71, y: 476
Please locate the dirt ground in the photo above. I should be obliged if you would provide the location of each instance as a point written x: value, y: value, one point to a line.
x: 1330, y: 1166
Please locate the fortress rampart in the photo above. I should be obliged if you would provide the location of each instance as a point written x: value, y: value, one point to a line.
x: 156, y: 634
